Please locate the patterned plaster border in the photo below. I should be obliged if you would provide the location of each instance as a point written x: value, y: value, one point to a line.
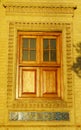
x: 40, y: 104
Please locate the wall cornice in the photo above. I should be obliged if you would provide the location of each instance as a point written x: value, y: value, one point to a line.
x: 39, y: 8
x: 39, y: 4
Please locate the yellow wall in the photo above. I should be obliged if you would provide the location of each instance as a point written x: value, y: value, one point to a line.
x: 75, y: 111
x: 77, y: 81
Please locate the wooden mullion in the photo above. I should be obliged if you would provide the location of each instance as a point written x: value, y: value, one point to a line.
x: 29, y: 50
x: 49, y: 50
x: 20, y: 49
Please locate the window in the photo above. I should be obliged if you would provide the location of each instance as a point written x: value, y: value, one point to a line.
x: 39, y: 65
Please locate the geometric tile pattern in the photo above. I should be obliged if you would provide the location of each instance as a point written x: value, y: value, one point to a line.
x: 39, y: 116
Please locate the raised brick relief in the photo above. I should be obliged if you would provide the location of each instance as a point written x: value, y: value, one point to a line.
x: 66, y: 29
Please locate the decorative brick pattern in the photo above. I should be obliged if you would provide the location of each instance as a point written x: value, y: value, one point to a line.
x: 10, y: 63
x: 66, y: 29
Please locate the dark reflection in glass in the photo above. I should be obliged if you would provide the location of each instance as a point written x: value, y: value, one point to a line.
x: 45, y: 43
x: 53, y: 43
x: 32, y: 43
x: 46, y: 55
x: 32, y: 55
x: 25, y: 42
x: 25, y: 55
x: 52, y: 55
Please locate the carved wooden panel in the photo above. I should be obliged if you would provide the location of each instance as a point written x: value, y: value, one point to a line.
x: 28, y: 81
x: 27, y: 85
x: 51, y: 82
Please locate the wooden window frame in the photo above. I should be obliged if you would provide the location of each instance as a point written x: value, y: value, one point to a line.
x: 39, y: 63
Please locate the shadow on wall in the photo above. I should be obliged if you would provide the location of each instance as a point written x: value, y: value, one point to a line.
x: 77, y: 64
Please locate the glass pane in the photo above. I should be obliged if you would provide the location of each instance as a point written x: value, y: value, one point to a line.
x: 52, y: 55
x: 25, y: 42
x: 32, y: 43
x: 32, y: 55
x: 53, y: 43
x: 46, y: 56
x: 45, y: 44
x: 25, y: 55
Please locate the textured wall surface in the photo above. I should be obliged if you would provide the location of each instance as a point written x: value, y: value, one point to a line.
x: 12, y: 19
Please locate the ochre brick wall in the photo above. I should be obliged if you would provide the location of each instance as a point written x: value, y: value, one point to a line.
x: 4, y: 39
x: 3, y: 64
x: 77, y: 80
